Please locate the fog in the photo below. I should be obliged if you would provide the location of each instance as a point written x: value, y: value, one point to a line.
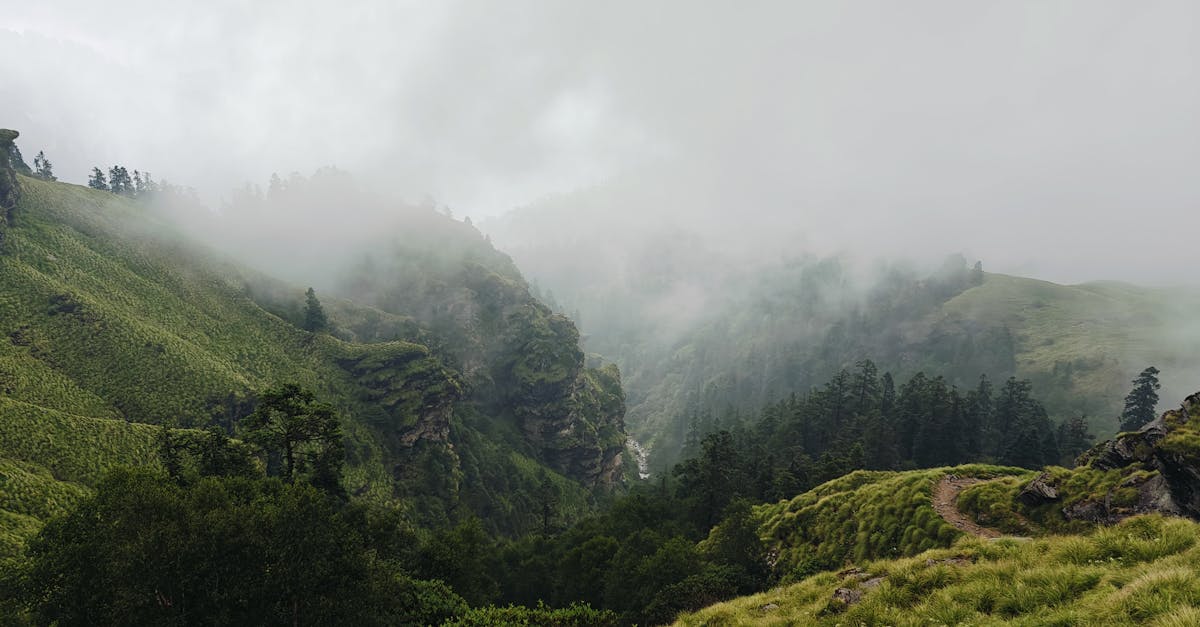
x: 1058, y: 140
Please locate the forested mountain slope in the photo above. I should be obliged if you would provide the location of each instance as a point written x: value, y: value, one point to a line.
x: 114, y: 320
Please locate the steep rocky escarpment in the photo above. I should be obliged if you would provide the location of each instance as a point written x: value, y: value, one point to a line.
x: 519, y: 360
x: 407, y: 393
x: 9, y: 189
x: 427, y: 278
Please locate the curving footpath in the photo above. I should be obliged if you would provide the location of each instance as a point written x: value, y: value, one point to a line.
x: 945, y: 503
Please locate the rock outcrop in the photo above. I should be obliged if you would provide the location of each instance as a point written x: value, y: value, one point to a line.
x: 1163, y: 463
x: 1038, y: 491
x: 10, y: 191
x: 573, y: 414
x: 519, y: 360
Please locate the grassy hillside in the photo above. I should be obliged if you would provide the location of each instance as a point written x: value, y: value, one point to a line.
x: 1141, y: 572
x: 1082, y: 344
x: 863, y: 515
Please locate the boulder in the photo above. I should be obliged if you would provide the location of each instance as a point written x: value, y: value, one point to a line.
x: 1038, y: 492
x: 846, y: 597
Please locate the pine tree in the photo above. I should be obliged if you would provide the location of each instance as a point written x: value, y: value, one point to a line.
x: 119, y: 181
x: 42, y: 167
x: 1141, y: 402
x: 866, y: 386
x: 98, y: 180
x: 314, y: 313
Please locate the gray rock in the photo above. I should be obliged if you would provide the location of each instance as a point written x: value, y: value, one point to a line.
x: 847, y: 596
x: 1038, y: 492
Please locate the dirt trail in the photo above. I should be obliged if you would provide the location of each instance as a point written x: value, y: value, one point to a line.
x: 945, y: 503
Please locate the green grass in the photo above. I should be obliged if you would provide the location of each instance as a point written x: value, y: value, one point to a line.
x: 32, y: 490
x: 863, y: 515
x: 1144, y: 571
x: 995, y: 503
x: 74, y: 448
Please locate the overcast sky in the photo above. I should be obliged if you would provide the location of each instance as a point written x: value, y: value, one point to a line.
x: 1060, y: 139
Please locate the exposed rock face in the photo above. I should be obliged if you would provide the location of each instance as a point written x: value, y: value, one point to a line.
x: 411, y: 390
x: 10, y: 191
x: 1153, y: 496
x: 575, y: 415
x: 1038, y: 491
x: 1173, y: 490
x: 1126, y: 449
x: 519, y: 361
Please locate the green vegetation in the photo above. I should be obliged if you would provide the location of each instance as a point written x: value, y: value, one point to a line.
x: 864, y: 515
x: 995, y: 503
x: 74, y: 448
x: 111, y: 321
x: 432, y: 444
x: 540, y: 616
x: 235, y: 551
x: 1140, y: 572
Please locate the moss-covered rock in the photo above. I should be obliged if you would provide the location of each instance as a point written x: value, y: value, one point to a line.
x: 519, y: 360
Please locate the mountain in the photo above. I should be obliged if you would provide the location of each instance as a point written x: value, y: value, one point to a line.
x: 116, y: 318
x: 698, y: 324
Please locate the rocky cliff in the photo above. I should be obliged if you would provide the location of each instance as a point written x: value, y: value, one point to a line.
x: 9, y: 189
x: 520, y: 361
x: 1155, y: 469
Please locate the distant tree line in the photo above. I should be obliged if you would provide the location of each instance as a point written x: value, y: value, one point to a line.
x: 861, y: 419
x: 120, y: 182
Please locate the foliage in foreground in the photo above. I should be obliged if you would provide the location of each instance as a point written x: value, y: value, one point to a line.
x: 221, y: 551
x: 1145, y: 571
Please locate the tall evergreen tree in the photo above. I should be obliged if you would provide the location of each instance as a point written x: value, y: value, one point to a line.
x: 298, y: 433
x: 1142, y: 401
x: 866, y: 386
x: 98, y: 180
x: 314, y: 313
x: 982, y: 439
